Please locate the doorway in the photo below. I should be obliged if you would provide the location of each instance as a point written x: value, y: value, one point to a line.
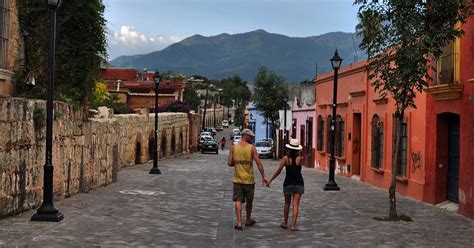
x: 453, y: 158
x: 356, y: 143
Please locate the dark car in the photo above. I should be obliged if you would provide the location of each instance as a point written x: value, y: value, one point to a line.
x: 210, y: 146
x: 203, y: 139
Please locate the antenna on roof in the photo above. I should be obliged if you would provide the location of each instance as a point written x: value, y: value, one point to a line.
x: 316, y: 74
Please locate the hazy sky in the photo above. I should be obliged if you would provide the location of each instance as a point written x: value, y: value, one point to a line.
x: 142, y: 26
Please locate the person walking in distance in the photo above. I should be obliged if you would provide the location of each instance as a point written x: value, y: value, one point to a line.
x: 293, y: 186
x: 241, y: 157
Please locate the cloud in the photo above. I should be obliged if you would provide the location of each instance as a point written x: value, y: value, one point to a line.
x: 129, y: 42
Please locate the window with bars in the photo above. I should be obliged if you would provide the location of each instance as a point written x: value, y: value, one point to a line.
x: 339, y: 136
x: 328, y: 135
x: 377, y: 142
x: 4, y: 21
x: 320, y: 133
x: 403, y: 152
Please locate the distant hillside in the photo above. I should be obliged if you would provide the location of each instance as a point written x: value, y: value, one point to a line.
x: 226, y: 55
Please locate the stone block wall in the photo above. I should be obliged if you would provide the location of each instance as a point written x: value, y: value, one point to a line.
x: 87, y: 153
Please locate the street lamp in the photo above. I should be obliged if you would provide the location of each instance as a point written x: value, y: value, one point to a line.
x: 331, y: 184
x: 284, y: 124
x: 47, y: 211
x: 154, y: 169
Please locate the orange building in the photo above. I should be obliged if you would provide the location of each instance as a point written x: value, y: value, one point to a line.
x: 137, y: 90
x: 435, y: 161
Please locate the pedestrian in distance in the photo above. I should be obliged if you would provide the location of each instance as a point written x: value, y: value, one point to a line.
x: 241, y: 157
x: 293, y: 186
x: 222, y: 143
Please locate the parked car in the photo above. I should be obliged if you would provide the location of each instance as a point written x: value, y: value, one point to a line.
x: 210, y: 146
x: 269, y: 140
x: 219, y: 127
x: 264, y: 149
x: 225, y: 124
x: 212, y: 130
x: 202, y: 140
x: 237, y: 139
x: 234, y: 132
x: 205, y: 133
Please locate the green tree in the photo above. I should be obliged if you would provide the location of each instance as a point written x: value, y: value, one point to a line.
x: 191, y: 98
x: 80, y: 47
x: 401, y: 37
x: 234, y: 88
x: 269, y: 94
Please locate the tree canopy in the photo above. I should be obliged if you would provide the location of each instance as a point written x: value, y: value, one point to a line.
x: 269, y: 93
x: 402, y: 37
x: 81, y: 45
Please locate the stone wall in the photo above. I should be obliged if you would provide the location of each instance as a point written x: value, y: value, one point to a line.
x: 87, y: 153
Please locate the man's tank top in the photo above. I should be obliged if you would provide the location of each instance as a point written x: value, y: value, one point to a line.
x: 243, y: 172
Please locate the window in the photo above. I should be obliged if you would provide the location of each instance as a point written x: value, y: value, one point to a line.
x: 377, y: 142
x: 4, y: 21
x: 402, y: 154
x: 320, y: 133
x: 339, y: 136
x: 328, y: 137
x: 445, y: 66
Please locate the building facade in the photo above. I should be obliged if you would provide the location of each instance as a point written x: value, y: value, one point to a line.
x: 450, y: 126
x: 11, y: 44
x: 303, y: 128
x: 435, y: 159
x: 137, y: 89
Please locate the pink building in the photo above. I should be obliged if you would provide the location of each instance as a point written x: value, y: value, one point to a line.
x: 304, y: 129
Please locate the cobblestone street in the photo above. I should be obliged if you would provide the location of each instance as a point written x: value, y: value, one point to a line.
x: 190, y: 205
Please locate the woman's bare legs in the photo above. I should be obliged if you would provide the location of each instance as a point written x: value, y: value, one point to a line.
x: 286, y: 211
x: 296, y: 204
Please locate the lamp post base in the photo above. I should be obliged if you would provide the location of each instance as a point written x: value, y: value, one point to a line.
x: 155, y: 171
x: 331, y: 186
x: 49, y: 216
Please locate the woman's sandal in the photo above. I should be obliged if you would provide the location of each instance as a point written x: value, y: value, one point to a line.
x: 284, y: 226
x: 252, y: 222
x: 294, y: 229
x: 237, y: 227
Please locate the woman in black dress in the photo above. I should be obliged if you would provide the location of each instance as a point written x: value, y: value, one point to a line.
x: 293, y: 186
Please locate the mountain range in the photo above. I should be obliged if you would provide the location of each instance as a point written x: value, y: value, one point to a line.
x: 225, y: 55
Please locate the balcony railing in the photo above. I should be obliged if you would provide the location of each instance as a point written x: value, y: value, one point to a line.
x: 445, y: 70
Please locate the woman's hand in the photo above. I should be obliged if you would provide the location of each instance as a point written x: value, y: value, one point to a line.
x: 268, y: 184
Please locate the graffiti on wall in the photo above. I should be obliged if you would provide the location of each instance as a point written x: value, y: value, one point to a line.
x: 416, y: 161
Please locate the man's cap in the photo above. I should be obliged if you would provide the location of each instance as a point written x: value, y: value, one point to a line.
x: 248, y: 132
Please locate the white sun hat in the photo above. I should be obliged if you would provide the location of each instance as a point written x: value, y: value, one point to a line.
x: 294, y: 144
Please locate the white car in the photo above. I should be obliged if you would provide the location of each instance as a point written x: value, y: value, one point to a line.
x: 237, y: 139
x: 264, y: 149
x: 205, y: 134
x: 225, y: 124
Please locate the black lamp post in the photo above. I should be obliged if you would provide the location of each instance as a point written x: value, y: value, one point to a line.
x: 154, y: 169
x: 47, y: 211
x: 331, y: 184
x: 284, y: 124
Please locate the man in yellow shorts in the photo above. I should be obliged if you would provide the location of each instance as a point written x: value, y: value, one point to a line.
x: 241, y: 156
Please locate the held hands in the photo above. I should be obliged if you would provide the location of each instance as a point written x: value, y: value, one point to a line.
x: 265, y: 182
x: 268, y: 183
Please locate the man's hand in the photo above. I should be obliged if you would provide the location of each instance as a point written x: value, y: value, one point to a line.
x: 265, y: 182
x: 269, y: 182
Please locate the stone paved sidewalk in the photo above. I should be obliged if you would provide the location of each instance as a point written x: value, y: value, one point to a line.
x: 190, y: 205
